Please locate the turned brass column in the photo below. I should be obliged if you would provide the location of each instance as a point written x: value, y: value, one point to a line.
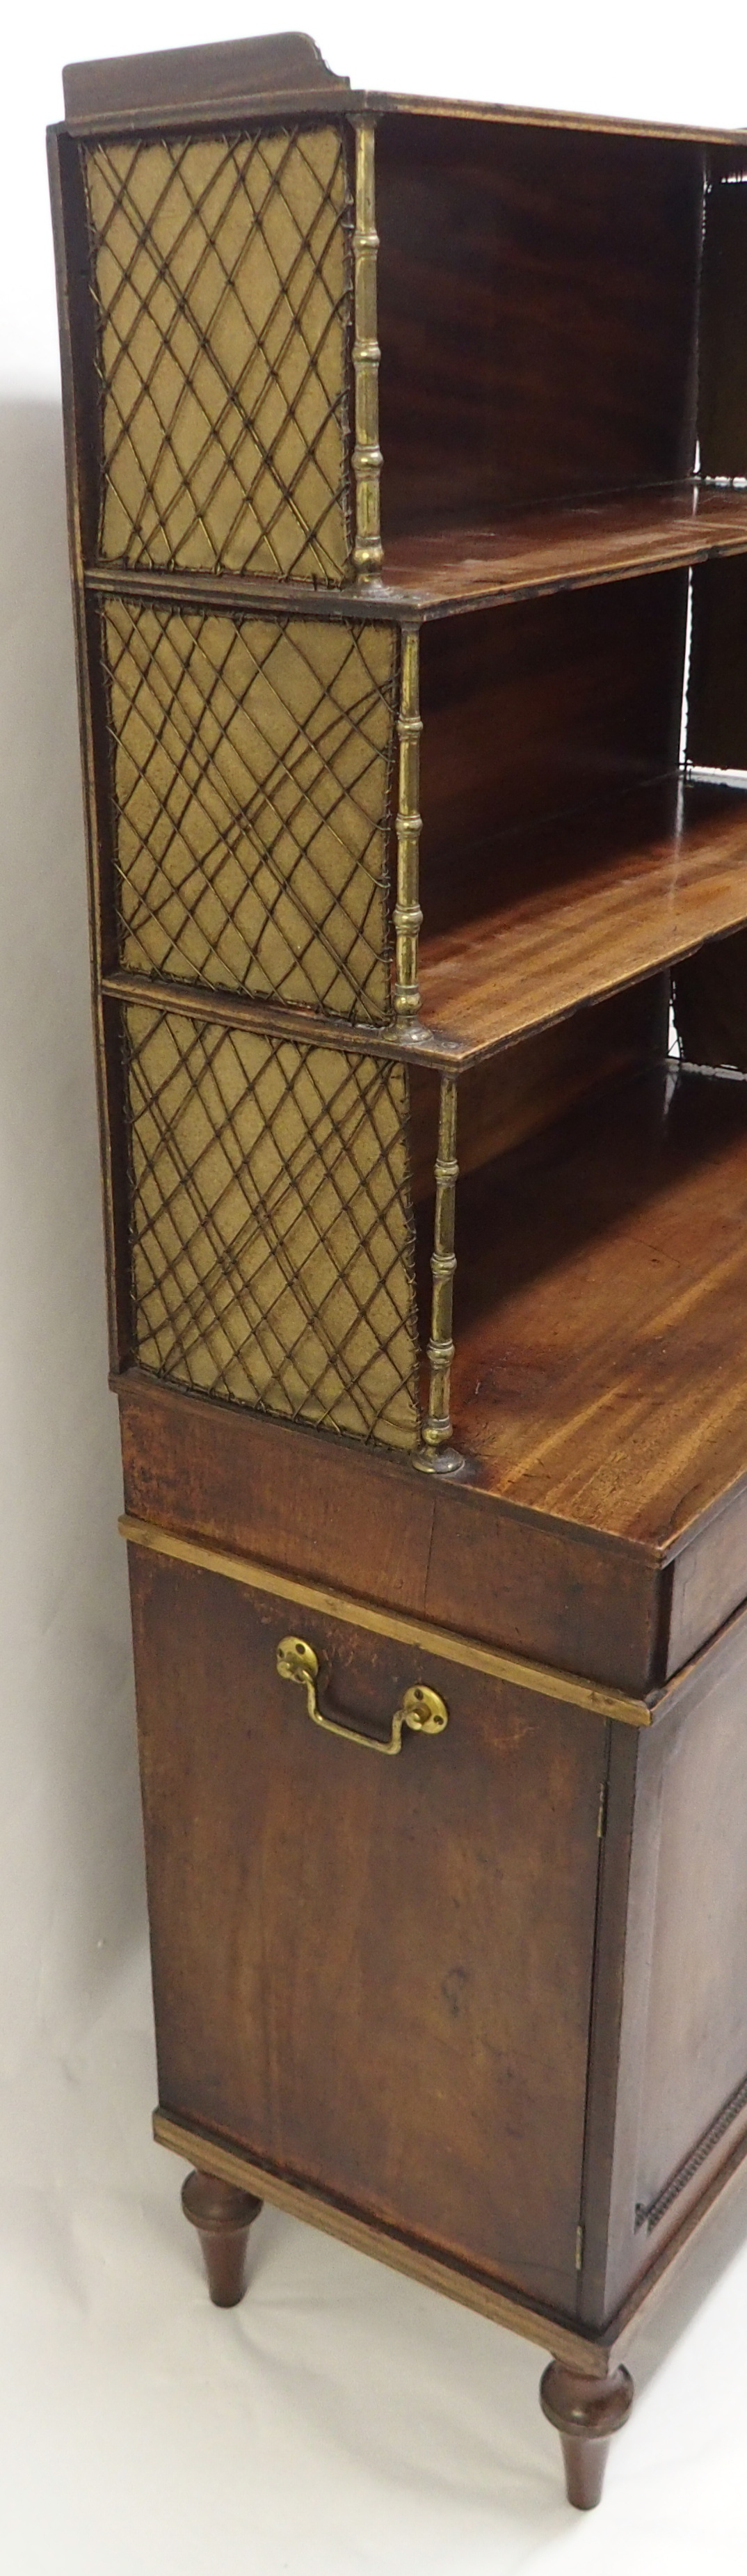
x: 407, y: 912
x: 436, y: 1457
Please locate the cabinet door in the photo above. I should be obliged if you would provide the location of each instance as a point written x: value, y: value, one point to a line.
x: 680, y: 2102
x: 373, y: 1974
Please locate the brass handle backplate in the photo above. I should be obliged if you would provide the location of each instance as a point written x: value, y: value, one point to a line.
x: 420, y: 1708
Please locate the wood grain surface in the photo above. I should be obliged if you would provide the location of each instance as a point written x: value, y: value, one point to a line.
x: 668, y: 2098
x: 600, y: 1366
x: 588, y: 904
x: 537, y: 296
x: 448, y: 568
x: 341, y: 1515
x: 560, y: 547
x: 366, y: 1970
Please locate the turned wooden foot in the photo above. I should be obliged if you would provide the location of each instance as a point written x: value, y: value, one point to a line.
x: 585, y: 2412
x: 222, y: 2216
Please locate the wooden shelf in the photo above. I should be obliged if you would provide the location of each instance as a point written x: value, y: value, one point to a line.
x: 561, y: 547
x: 589, y: 903
x: 526, y: 553
x: 601, y: 1371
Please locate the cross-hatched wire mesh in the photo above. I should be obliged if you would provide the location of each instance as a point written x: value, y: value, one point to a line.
x: 221, y: 270
x: 251, y: 769
x: 271, y: 1224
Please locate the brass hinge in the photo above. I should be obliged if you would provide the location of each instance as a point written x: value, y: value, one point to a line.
x: 579, y: 2247
x: 602, y: 1813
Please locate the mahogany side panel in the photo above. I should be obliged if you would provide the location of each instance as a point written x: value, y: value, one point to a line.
x: 502, y: 1104
x: 709, y: 1580
x: 530, y: 711
x: 371, y: 1973
x: 717, y: 693
x: 536, y: 314
x: 722, y: 408
x: 669, y: 2088
x: 81, y: 433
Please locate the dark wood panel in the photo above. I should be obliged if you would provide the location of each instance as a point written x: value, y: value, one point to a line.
x: 696, y: 2029
x: 708, y: 997
x: 612, y: 2104
x: 592, y: 1603
x: 80, y: 422
x: 538, y: 1080
x: 534, y: 712
x: 272, y: 67
x: 186, y: 77
x: 717, y: 693
x: 586, y: 905
x: 327, y: 1509
x: 709, y: 1580
x: 536, y: 315
x: 722, y: 421
x: 600, y: 1368
x: 373, y: 1973
x: 679, y: 2112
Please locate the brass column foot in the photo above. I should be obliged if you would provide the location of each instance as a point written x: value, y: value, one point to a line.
x: 440, y: 1462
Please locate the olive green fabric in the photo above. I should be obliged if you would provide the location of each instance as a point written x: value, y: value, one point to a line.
x: 222, y: 272
x: 251, y: 767
x: 272, y: 1230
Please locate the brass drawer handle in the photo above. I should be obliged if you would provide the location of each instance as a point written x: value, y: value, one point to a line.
x: 420, y: 1708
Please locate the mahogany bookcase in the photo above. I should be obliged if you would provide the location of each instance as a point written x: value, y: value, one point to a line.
x: 414, y: 722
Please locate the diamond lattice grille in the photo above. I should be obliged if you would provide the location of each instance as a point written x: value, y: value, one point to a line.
x: 272, y: 1234
x: 222, y: 275
x: 251, y: 767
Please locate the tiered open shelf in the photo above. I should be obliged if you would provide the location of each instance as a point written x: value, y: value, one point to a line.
x: 601, y: 1367
x: 564, y: 546
x: 589, y: 903
x: 524, y: 553
x: 414, y: 720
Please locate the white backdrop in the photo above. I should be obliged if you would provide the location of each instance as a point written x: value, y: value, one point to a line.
x: 343, y: 2420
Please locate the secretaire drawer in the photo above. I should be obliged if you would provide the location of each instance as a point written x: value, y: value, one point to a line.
x: 372, y: 1883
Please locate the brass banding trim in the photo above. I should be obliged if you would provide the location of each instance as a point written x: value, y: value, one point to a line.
x: 441, y: 1642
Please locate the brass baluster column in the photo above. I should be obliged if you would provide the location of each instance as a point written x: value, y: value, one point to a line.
x: 407, y: 912
x: 368, y: 553
x: 436, y: 1457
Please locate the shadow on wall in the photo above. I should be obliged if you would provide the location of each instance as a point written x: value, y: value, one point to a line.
x: 71, y: 1895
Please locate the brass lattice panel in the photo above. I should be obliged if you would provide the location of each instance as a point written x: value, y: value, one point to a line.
x: 251, y: 766
x: 222, y: 274
x: 271, y: 1224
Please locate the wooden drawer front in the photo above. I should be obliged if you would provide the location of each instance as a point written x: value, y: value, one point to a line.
x: 372, y: 1973
x: 222, y: 274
